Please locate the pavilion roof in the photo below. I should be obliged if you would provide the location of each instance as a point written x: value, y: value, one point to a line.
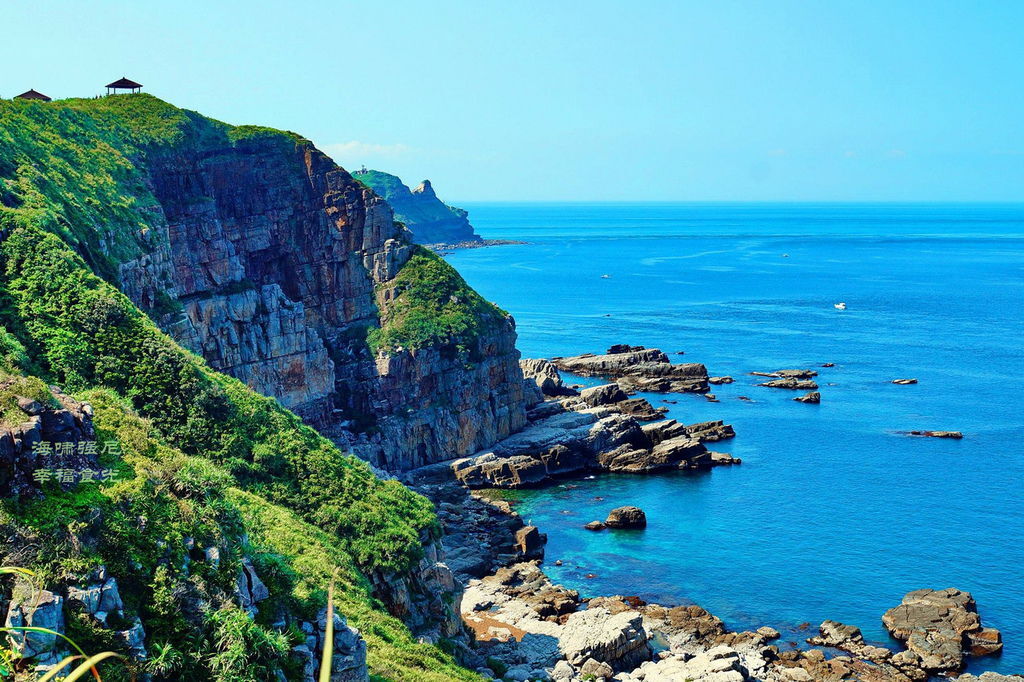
x: 124, y: 83
x: 34, y: 94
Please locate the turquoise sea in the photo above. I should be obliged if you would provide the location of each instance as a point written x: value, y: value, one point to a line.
x: 834, y: 513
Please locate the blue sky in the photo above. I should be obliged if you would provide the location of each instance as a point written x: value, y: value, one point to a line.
x: 573, y: 100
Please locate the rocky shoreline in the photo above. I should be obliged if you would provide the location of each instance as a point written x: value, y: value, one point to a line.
x: 531, y: 629
x: 524, y: 627
x: 443, y: 248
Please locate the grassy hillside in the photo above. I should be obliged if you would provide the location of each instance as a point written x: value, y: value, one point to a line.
x: 431, y: 305
x: 206, y: 457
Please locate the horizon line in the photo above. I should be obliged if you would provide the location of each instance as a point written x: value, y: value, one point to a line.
x: 894, y: 202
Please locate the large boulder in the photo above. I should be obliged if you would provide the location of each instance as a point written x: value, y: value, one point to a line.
x: 545, y: 375
x: 530, y: 542
x: 618, y: 640
x: 249, y: 589
x: 626, y: 517
x: 718, y: 664
x: 36, y: 609
x: 606, y: 394
x: 941, y: 626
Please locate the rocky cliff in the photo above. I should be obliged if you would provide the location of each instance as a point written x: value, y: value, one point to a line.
x: 431, y: 220
x: 274, y: 264
x: 221, y: 514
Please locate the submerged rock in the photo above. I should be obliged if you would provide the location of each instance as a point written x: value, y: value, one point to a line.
x: 938, y: 434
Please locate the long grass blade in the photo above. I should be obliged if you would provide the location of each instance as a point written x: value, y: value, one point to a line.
x: 57, y: 668
x: 4, y: 570
x: 90, y: 664
x: 47, y: 631
x: 327, y: 657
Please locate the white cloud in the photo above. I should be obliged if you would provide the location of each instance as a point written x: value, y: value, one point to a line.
x: 354, y: 150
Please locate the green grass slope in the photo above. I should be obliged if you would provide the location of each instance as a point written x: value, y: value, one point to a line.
x: 206, y: 456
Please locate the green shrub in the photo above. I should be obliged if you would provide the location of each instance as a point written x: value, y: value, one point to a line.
x: 244, y: 651
x: 429, y: 304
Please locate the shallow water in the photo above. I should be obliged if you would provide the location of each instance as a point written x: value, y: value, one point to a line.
x: 833, y: 513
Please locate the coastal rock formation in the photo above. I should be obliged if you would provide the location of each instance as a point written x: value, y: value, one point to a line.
x: 812, y: 397
x: 430, y: 220
x: 616, y: 640
x: 546, y: 376
x: 542, y: 629
x: 273, y: 263
x: 481, y: 535
x: 719, y: 664
x: 788, y: 374
x: 850, y: 639
x: 638, y: 369
x: 626, y: 517
x: 940, y: 626
x: 591, y: 439
x: 791, y: 383
x: 427, y: 597
x: 956, y: 435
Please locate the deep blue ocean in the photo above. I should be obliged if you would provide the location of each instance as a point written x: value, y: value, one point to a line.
x: 834, y: 513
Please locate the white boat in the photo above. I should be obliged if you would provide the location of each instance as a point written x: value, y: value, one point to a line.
x: 606, y: 276
x: 839, y: 306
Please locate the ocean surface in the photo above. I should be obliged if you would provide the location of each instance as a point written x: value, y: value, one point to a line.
x: 834, y: 512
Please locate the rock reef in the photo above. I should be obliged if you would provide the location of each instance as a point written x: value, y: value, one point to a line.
x: 638, y: 369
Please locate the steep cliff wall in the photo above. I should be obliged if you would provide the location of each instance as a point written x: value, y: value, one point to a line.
x: 273, y: 266
x: 431, y: 220
x: 214, y: 482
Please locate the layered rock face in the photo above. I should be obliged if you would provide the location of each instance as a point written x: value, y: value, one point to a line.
x: 267, y: 262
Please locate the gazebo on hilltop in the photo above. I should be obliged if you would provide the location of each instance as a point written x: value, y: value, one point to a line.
x: 123, y: 84
x: 33, y: 94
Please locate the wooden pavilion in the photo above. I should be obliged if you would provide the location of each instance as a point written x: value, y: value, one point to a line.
x: 123, y: 84
x: 33, y: 94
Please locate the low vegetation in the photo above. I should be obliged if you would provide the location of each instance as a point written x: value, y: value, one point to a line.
x: 205, y: 459
x: 429, y: 304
